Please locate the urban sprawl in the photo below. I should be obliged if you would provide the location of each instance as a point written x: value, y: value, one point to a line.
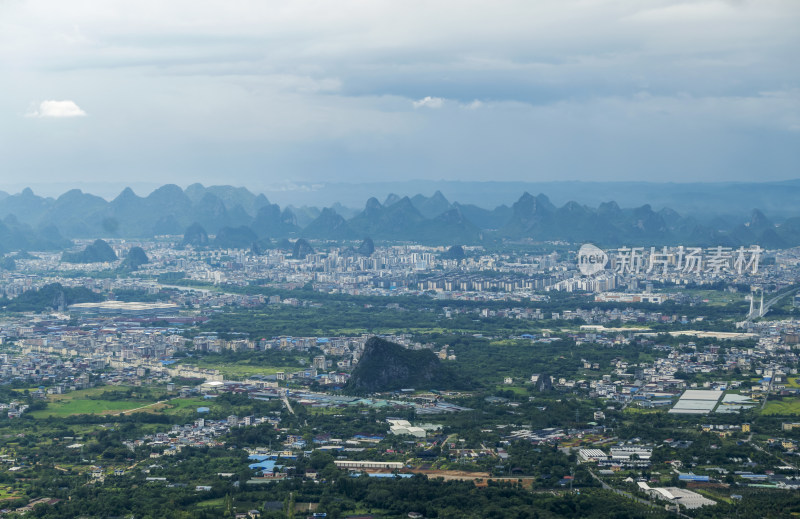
x: 704, y: 414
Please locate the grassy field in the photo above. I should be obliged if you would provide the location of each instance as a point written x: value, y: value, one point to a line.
x: 70, y: 407
x: 212, y: 503
x: 86, y: 401
x: 81, y: 393
x: 716, y: 297
x: 521, y: 391
x: 183, y: 403
x: 220, y: 503
x: 91, y: 392
x: 783, y: 407
x: 8, y: 492
x: 179, y: 405
x: 242, y: 370
x: 716, y: 496
x: 640, y: 411
x: 510, y: 342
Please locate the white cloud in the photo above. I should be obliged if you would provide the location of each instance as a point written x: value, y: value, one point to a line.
x: 51, y: 108
x: 308, y: 90
x: 429, y: 102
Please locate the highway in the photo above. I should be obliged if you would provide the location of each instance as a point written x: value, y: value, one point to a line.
x: 767, y: 304
x: 285, y: 400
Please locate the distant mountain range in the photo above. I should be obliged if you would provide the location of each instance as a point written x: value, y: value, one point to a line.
x: 698, y: 199
x: 236, y: 218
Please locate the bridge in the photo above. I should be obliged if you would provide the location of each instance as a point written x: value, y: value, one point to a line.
x: 764, y: 306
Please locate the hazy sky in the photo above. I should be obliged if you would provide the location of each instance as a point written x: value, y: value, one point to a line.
x: 263, y: 92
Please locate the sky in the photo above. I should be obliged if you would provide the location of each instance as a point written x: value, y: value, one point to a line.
x: 269, y: 93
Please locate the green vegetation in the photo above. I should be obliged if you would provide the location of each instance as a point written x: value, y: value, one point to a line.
x: 140, y: 296
x: 8, y: 492
x: 99, y: 400
x: 136, y: 258
x: 240, y: 370
x: 480, y: 359
x: 71, y: 407
x: 340, y: 314
x: 74, y: 447
x: 386, y: 366
x: 244, y: 364
x: 786, y: 406
x: 99, y: 251
x: 51, y: 296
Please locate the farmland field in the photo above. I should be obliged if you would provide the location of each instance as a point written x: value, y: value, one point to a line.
x: 786, y: 406
x: 242, y: 369
x: 75, y: 406
x: 90, y: 401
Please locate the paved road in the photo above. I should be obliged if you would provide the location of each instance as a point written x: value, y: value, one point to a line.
x: 628, y: 494
x: 286, y: 402
x: 124, y: 411
x: 606, y: 486
x: 770, y: 302
x: 756, y: 446
x: 766, y: 395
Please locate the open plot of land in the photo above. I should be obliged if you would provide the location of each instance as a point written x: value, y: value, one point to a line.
x: 89, y: 401
x: 449, y: 475
x: 182, y: 405
x: 733, y: 336
x: 71, y: 407
x: 787, y: 406
x: 212, y: 503
x: 147, y: 408
x: 716, y: 297
x: 7, y: 492
x: 242, y: 370
x: 86, y: 393
x: 639, y: 411
x: 509, y: 342
x: 61, y: 407
x: 515, y: 389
